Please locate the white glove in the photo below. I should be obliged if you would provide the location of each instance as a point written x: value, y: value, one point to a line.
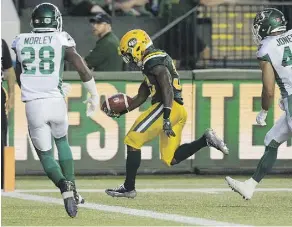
x: 281, y: 104
x: 66, y: 88
x: 93, y: 103
x: 261, y: 117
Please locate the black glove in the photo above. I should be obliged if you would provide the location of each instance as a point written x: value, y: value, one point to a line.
x: 113, y: 114
x: 167, y: 128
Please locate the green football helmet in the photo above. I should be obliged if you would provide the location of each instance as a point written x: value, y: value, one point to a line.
x: 46, y: 17
x: 266, y: 22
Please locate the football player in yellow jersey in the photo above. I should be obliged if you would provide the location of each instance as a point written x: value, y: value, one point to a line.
x: 166, y: 116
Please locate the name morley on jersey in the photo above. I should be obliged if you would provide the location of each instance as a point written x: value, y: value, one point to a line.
x: 284, y: 40
x: 38, y: 40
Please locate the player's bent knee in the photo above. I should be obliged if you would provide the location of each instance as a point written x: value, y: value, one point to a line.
x: 167, y: 162
x: 173, y: 162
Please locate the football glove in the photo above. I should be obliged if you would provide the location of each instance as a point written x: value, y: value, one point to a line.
x: 261, y: 117
x: 112, y: 114
x: 92, y: 102
x: 167, y: 128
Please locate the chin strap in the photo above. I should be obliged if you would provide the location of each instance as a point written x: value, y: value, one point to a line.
x: 279, y: 29
x: 45, y: 30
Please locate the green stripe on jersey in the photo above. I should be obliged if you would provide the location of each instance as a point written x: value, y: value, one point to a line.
x: 265, y: 58
x: 61, y: 71
x: 289, y: 99
x: 280, y: 83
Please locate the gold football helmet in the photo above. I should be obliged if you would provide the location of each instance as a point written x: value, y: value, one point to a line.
x: 133, y: 45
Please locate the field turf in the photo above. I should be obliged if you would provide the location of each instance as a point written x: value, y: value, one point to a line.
x: 161, y: 201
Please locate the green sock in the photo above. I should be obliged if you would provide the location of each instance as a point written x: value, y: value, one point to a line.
x: 65, y: 158
x: 267, y: 161
x: 50, y: 166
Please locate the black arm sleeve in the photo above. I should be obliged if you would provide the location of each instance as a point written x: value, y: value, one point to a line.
x: 6, y: 57
x: 18, y: 72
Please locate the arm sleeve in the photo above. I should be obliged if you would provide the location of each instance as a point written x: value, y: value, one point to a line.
x: 6, y: 57
x: 67, y: 40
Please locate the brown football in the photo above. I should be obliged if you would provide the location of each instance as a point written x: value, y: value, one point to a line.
x: 117, y: 103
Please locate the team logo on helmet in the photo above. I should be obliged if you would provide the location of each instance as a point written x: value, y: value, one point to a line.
x: 132, y: 42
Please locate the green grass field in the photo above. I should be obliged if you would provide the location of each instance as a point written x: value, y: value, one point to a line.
x: 162, y: 200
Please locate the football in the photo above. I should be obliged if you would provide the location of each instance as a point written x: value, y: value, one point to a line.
x: 117, y: 103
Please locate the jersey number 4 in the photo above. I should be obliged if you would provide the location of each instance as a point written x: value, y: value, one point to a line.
x: 287, y: 57
x: 46, y: 55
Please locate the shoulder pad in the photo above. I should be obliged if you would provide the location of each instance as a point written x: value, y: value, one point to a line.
x: 14, y: 43
x: 262, y: 52
x: 67, y: 40
x: 153, y: 59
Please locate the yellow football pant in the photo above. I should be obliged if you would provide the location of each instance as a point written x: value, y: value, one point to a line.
x: 149, y: 125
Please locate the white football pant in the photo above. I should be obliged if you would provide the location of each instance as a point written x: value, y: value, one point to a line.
x: 45, y: 117
x: 282, y: 129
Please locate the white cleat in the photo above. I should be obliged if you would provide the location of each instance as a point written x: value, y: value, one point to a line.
x: 245, y: 189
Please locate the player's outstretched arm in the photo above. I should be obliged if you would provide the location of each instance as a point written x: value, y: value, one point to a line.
x: 74, y: 58
x: 137, y: 101
x: 141, y: 97
x: 268, y: 79
x: 163, y: 78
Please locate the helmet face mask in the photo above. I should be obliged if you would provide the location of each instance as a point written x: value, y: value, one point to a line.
x: 133, y: 46
x: 266, y: 22
x: 256, y: 37
x: 46, y: 17
x: 127, y: 57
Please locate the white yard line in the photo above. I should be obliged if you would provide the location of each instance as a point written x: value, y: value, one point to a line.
x: 158, y: 190
x: 102, y: 184
x: 124, y: 210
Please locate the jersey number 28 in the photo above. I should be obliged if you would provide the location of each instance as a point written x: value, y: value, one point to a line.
x: 46, y: 55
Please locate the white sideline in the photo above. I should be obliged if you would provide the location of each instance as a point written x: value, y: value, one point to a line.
x: 155, y: 190
x: 124, y: 210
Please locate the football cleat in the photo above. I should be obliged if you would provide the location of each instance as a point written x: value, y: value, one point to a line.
x: 67, y: 188
x: 121, y: 191
x: 78, y: 198
x: 214, y: 141
x: 245, y: 189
